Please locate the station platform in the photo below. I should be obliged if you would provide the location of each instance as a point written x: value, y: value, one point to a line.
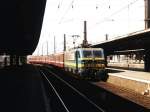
x: 135, y: 80
x: 22, y: 90
x: 127, y: 65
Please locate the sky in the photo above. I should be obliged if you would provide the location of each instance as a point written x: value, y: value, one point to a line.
x: 111, y: 17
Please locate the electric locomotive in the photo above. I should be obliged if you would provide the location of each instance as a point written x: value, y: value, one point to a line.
x: 86, y: 62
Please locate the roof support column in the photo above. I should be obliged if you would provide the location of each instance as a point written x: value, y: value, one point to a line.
x: 147, y: 14
x: 147, y: 60
x: 17, y: 60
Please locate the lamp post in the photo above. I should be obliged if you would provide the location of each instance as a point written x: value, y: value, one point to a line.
x: 43, y: 48
x: 47, y: 47
x: 38, y: 51
x: 54, y: 44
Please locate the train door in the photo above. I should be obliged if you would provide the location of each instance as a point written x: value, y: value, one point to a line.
x: 77, y: 56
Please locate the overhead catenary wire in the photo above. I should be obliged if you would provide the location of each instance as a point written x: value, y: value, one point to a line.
x: 102, y: 4
x: 60, y: 4
x: 70, y: 6
x: 116, y: 12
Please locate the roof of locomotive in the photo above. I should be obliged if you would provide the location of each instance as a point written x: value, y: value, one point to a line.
x: 84, y: 49
x: 89, y: 49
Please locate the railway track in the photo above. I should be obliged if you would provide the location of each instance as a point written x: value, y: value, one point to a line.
x: 76, y: 95
x: 70, y: 98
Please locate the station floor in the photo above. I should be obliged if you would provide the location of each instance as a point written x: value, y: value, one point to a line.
x: 21, y: 90
x: 136, y: 80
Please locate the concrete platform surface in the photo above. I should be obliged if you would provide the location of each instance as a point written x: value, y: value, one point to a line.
x: 136, y: 80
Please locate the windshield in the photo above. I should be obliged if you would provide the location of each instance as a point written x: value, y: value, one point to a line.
x: 97, y: 53
x: 92, y: 53
x: 87, y: 54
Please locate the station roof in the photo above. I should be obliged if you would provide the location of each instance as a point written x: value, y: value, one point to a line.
x: 131, y: 41
x: 20, y: 25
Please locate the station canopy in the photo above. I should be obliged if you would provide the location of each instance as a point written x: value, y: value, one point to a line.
x: 20, y: 25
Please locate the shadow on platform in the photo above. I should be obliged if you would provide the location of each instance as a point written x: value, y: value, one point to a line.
x: 109, y: 70
x: 21, y: 89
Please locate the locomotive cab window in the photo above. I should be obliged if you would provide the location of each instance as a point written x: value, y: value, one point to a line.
x: 87, y: 54
x: 98, y: 54
x: 93, y: 53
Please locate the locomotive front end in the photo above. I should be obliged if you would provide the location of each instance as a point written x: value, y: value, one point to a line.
x: 92, y: 63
